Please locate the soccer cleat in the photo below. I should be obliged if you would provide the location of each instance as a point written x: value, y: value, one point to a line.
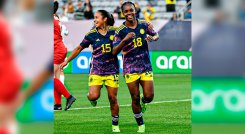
x: 141, y: 129
x: 93, y: 103
x: 69, y: 102
x: 115, y: 129
x: 143, y: 105
x: 57, y: 107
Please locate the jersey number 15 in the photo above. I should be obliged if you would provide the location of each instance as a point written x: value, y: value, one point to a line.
x: 106, y: 48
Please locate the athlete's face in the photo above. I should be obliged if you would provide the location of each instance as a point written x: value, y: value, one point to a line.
x: 129, y: 12
x: 99, y: 21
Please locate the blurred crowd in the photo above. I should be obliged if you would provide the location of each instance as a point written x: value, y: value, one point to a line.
x: 79, y: 11
x: 84, y: 9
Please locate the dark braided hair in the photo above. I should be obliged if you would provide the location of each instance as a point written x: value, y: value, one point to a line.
x: 56, y: 6
x: 127, y: 3
x: 110, y: 19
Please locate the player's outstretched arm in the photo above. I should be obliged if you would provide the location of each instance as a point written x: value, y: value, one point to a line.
x: 117, y: 49
x: 73, y: 55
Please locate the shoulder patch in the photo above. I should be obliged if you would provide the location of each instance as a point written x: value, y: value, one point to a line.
x: 91, y: 31
x: 113, y: 27
x: 120, y: 28
x: 142, y: 21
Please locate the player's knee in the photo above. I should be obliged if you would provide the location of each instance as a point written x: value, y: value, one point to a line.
x: 93, y: 96
x: 149, y: 97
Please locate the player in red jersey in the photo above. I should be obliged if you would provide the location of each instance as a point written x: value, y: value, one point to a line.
x: 60, y: 52
x: 10, y: 76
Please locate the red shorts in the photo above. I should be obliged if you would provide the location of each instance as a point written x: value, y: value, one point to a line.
x: 59, y: 57
x: 10, y: 86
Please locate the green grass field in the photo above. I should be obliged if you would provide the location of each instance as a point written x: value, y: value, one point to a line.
x: 169, y: 113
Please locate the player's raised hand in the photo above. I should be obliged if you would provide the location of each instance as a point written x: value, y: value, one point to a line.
x: 62, y: 65
x: 149, y: 38
x: 129, y: 36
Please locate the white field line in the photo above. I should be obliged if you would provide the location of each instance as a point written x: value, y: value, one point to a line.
x: 127, y: 105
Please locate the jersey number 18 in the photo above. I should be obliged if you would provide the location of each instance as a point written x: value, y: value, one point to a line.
x: 137, y: 42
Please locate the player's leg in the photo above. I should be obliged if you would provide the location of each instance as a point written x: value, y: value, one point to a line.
x: 94, y: 94
x: 112, y: 96
x: 146, y: 81
x: 62, y: 77
x: 135, y: 96
x: 60, y: 88
x: 57, y: 98
x: 112, y: 85
x: 95, y: 85
x: 59, y: 57
x: 56, y: 71
x: 57, y: 94
x: 148, y: 91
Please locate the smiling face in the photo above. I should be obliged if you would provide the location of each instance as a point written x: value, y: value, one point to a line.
x: 99, y: 21
x: 129, y: 12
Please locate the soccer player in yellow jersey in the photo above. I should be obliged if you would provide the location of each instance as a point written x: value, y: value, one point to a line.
x: 104, y: 67
x: 132, y: 37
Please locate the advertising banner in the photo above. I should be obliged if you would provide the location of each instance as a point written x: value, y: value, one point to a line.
x: 218, y: 100
x: 171, y: 62
x: 168, y: 62
x: 81, y: 63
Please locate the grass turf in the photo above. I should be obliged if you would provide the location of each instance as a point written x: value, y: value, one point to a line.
x: 167, y: 117
x: 218, y: 128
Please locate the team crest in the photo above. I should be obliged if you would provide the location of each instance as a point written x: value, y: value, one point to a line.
x: 142, y: 31
x: 111, y: 37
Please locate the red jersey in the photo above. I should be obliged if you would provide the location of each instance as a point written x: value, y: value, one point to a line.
x: 59, y: 47
x: 10, y: 76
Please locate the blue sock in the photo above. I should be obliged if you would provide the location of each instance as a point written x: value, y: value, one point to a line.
x: 139, y: 118
x: 115, y: 120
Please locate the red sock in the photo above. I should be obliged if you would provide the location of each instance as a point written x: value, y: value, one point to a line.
x: 57, y: 97
x: 58, y: 86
